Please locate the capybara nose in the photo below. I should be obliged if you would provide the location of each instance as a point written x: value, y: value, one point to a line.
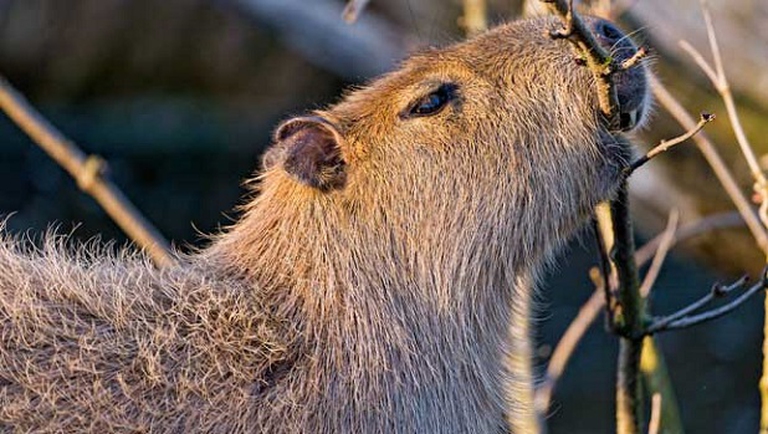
x: 607, y: 34
x: 631, y: 84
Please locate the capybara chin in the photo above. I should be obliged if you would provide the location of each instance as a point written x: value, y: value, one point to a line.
x: 378, y: 282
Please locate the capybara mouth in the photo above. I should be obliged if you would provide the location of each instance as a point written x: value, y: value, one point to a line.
x: 632, y: 83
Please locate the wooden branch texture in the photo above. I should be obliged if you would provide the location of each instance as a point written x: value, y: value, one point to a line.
x: 88, y: 172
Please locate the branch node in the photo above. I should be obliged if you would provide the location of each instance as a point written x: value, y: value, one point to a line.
x: 608, y: 67
x: 568, y: 22
x: 718, y: 290
x: 93, y: 169
x: 633, y: 61
x: 666, y: 145
x: 685, y: 317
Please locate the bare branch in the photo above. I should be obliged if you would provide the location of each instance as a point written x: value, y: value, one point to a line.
x: 683, y: 317
x: 713, y: 41
x: 591, y: 308
x: 639, y: 55
x: 655, y: 423
x: 668, y: 239
x: 88, y: 171
x: 717, y: 291
x: 353, y: 10
x: 627, y: 306
x: 717, y: 76
x: 720, y: 82
x: 710, y: 153
x: 730, y: 219
x: 665, y: 145
x: 475, y: 18
x: 598, y: 59
x: 760, y: 187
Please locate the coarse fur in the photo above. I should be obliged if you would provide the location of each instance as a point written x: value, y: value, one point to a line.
x: 377, y: 283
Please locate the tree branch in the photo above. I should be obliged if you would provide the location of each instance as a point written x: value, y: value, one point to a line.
x: 88, y: 171
x: 627, y: 311
x: 668, y: 239
x: 708, y: 150
x: 720, y: 82
x: 665, y: 145
x: 682, y: 319
x: 598, y: 59
x: 589, y: 310
x: 655, y: 423
x: 626, y: 307
x: 475, y: 18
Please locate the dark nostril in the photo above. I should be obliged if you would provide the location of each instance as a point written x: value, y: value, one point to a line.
x: 608, y: 32
x: 625, y: 121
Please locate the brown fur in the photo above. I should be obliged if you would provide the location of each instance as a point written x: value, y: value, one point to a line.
x: 374, y: 302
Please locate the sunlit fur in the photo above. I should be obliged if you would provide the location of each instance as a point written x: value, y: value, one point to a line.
x: 381, y: 306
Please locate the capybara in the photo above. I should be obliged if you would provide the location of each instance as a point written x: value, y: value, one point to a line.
x: 378, y: 280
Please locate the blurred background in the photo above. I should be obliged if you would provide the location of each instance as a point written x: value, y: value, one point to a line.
x: 180, y: 98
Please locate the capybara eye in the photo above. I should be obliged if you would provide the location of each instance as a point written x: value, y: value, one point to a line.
x: 432, y: 103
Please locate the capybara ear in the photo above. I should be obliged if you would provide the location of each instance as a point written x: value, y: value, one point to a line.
x: 309, y: 148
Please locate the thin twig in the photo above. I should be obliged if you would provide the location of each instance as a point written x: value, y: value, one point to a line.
x: 88, y: 171
x: 724, y: 89
x: 630, y: 63
x: 720, y: 82
x: 615, y: 230
x: 353, y: 9
x: 591, y: 308
x: 722, y: 172
x: 655, y: 423
x: 475, y: 18
x: 668, y: 238
x: 628, y: 311
x: 724, y: 220
x: 598, y: 59
x: 682, y: 321
x: 665, y: 145
x: 717, y: 291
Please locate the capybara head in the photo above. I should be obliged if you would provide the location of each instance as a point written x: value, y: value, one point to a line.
x: 502, y: 131
x: 497, y: 141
